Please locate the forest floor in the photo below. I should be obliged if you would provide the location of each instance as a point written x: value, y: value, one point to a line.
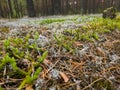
x: 60, y: 53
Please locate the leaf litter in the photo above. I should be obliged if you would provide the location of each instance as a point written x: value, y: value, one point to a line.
x: 77, y: 59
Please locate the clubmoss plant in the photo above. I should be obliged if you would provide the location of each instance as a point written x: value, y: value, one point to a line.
x: 30, y: 79
x: 1, y: 88
x: 7, y: 59
x: 44, y: 55
x: 16, y: 51
x: 7, y: 43
x: 64, y: 41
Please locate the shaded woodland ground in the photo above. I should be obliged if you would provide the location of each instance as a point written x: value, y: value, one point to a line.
x: 63, y: 52
x: 60, y: 53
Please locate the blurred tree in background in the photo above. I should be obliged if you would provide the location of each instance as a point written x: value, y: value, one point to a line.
x: 32, y: 8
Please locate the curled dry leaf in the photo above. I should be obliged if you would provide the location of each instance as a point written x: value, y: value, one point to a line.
x: 78, y: 87
x: 29, y: 87
x: 100, y: 52
x: 78, y: 44
x: 47, y: 62
x: 64, y: 76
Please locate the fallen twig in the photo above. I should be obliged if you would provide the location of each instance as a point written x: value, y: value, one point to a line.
x: 92, y: 83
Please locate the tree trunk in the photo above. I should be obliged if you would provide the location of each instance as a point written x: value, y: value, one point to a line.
x: 30, y: 8
x: 10, y: 8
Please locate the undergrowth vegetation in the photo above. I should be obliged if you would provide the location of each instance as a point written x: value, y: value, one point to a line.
x: 93, y: 29
x: 21, y: 60
x: 48, y: 21
x: 78, y: 52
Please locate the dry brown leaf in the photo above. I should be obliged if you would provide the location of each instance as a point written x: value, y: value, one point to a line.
x: 29, y: 87
x: 100, y: 52
x: 47, y: 62
x: 44, y: 73
x: 108, y: 44
x: 1, y: 43
x: 64, y: 76
x: 78, y: 44
x: 78, y: 63
x: 78, y: 87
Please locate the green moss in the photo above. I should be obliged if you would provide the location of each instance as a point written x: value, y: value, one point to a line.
x: 110, y: 13
x: 4, y: 29
x: 6, y: 43
x: 118, y: 17
x: 91, y: 30
x: 95, y: 36
x: 49, y: 21
x: 104, y: 84
x: 1, y: 88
